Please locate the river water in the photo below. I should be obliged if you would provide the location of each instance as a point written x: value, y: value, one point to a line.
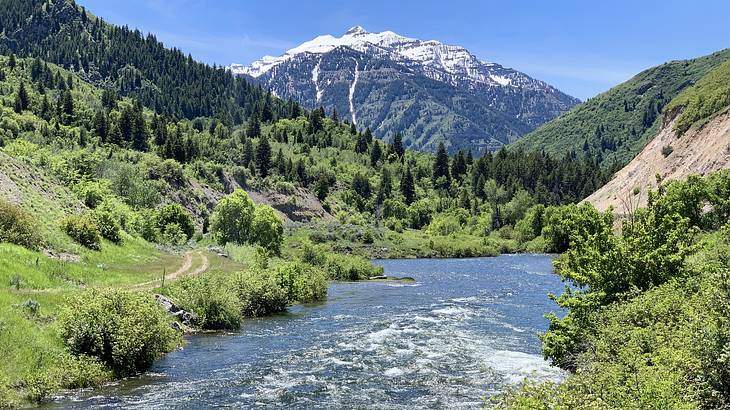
x: 461, y: 333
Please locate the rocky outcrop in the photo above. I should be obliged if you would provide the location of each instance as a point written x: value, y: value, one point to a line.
x: 184, y: 319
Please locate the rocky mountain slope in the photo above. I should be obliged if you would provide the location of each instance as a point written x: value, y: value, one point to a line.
x: 694, y: 139
x: 429, y: 91
x: 698, y: 152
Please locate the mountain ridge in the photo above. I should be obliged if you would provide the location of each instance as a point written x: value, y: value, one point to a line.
x: 388, y: 82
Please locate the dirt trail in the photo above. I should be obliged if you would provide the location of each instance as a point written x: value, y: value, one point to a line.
x: 184, y: 270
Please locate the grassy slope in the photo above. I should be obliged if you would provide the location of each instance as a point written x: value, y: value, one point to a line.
x: 620, y: 112
x: 702, y: 101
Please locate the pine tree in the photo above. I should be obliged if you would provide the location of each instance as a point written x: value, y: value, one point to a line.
x: 248, y: 152
x: 253, y: 127
x: 68, y: 108
x: 375, y: 154
x: 101, y: 127
x: 458, y: 167
x: 322, y: 186
x: 263, y: 156
x: 407, y: 186
x: 12, y: 63
x: 334, y: 117
x: 398, y: 145
x: 361, y: 146
x: 441, y: 176
x: 22, y: 100
x: 385, y: 188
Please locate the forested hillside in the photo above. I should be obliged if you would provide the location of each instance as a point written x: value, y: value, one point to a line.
x: 130, y: 63
x: 615, y: 126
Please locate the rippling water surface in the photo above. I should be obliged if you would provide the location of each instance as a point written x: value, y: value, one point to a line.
x: 463, y: 331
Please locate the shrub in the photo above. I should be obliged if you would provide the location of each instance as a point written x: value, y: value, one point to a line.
x: 215, y: 307
x: 7, y: 399
x: 667, y: 150
x: 174, y: 214
x: 17, y: 227
x: 93, y: 193
x: 259, y: 292
x: 83, y: 229
x: 126, y: 331
x: 71, y: 372
x: 303, y: 282
x: 108, y: 225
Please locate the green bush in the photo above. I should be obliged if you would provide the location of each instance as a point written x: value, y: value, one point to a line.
x: 126, y: 331
x: 17, y: 227
x: 267, y: 229
x: 172, y: 219
x: 108, y: 225
x: 214, y: 305
x: 303, y: 282
x: 259, y: 292
x: 83, y: 229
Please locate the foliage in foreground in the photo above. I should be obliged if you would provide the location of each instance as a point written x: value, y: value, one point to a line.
x: 652, y: 330
x: 126, y: 331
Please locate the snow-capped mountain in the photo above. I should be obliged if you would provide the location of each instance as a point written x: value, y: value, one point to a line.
x: 427, y: 90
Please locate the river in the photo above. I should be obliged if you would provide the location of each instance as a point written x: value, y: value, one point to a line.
x: 462, y: 332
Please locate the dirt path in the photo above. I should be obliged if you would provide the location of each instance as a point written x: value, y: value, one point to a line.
x: 184, y: 270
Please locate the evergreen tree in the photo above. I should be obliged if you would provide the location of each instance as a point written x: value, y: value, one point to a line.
x: 140, y: 134
x: 12, y: 63
x: 361, y: 185
x: 398, y: 147
x: 101, y: 126
x: 375, y: 154
x: 248, y: 152
x: 22, y: 101
x: 407, y: 186
x: 263, y: 156
x: 458, y: 167
x: 322, y: 186
x: 441, y: 176
x: 361, y: 146
x: 253, y: 127
x: 334, y: 117
x: 386, y: 186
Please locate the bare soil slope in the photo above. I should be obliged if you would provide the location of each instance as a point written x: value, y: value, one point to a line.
x: 699, y: 151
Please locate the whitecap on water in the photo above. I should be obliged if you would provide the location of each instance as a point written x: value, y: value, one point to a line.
x: 393, y: 372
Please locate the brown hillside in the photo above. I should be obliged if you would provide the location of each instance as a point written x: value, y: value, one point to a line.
x: 698, y: 151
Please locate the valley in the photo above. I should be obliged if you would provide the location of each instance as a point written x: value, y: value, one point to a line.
x: 369, y: 220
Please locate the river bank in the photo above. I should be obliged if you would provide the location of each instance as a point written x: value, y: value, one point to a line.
x: 463, y: 331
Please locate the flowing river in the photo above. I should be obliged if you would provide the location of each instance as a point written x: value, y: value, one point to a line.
x: 462, y: 332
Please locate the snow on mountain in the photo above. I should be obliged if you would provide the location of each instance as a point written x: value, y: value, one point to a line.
x: 426, y: 90
x: 441, y: 62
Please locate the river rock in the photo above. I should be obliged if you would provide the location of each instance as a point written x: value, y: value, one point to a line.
x: 185, y: 317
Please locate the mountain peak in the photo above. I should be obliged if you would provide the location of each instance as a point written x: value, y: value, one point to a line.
x: 355, y: 30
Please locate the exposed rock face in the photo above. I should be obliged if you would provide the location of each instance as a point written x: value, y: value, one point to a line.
x: 699, y: 151
x: 427, y: 90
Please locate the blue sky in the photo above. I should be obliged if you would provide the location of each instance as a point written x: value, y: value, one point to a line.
x: 582, y: 47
